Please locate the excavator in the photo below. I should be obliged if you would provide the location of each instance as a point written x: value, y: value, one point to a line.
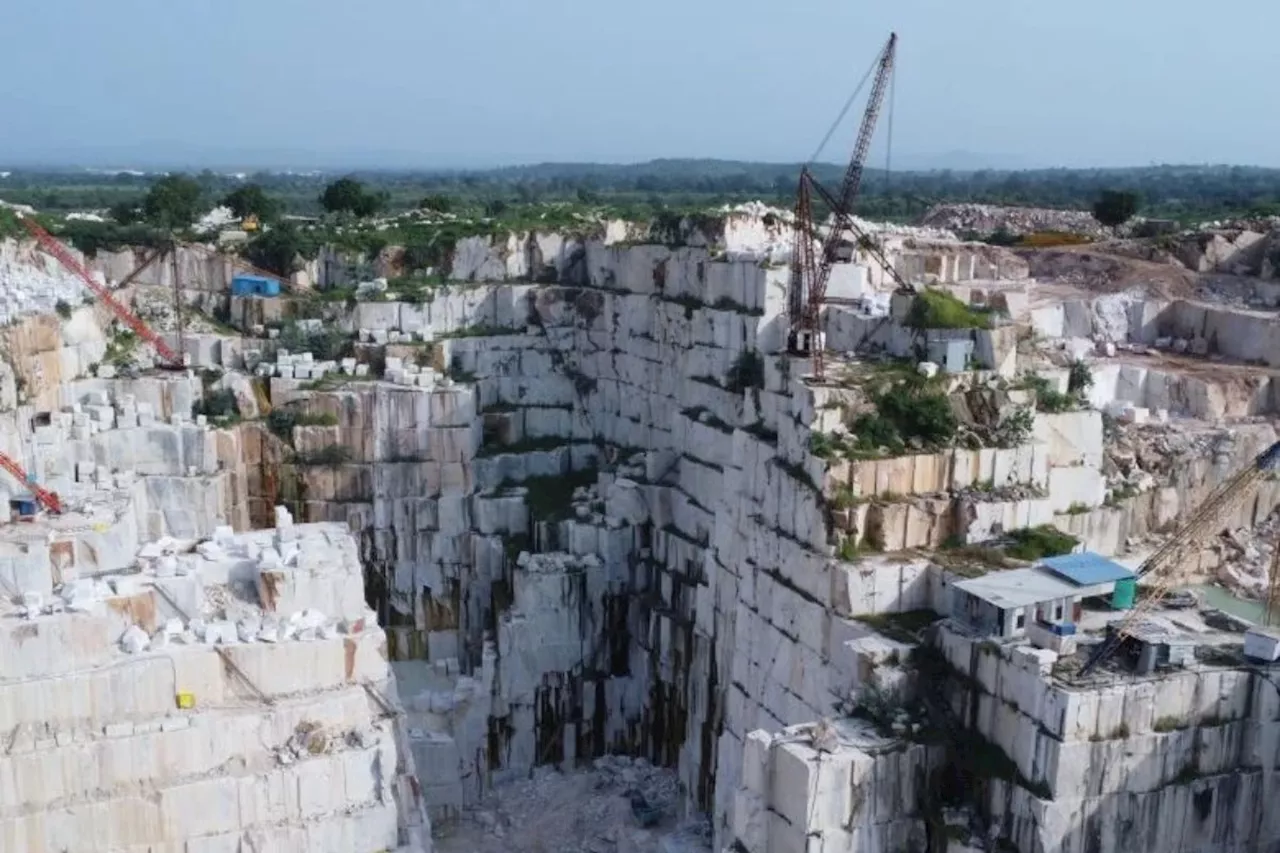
x: 1204, y: 522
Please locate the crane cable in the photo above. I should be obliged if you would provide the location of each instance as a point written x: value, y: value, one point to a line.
x: 844, y: 111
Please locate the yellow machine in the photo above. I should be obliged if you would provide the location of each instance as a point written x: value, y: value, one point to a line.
x: 249, y: 223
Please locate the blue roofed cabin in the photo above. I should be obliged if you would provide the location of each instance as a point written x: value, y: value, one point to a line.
x: 1044, y: 601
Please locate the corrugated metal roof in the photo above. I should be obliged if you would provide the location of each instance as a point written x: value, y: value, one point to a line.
x: 1017, y: 588
x: 1087, y: 568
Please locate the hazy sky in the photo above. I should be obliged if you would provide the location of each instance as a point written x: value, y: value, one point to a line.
x: 486, y: 82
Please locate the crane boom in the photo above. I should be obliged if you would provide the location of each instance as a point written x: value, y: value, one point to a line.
x: 853, y: 174
x: 1211, y: 514
x: 49, y: 499
x: 59, y: 251
x: 809, y: 279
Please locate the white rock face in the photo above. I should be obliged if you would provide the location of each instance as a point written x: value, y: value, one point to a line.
x: 295, y: 713
x: 32, y: 282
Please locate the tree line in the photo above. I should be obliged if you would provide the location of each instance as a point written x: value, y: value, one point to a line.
x: 1177, y: 192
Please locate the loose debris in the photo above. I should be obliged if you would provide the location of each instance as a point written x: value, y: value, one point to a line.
x: 620, y: 805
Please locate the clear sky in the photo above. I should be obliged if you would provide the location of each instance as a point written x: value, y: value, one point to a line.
x: 487, y: 82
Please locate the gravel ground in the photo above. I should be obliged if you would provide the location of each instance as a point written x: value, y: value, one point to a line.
x: 596, y: 810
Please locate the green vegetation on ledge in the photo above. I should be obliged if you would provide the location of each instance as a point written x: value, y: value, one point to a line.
x: 937, y: 309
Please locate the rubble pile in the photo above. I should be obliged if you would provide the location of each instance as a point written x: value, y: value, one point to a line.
x: 986, y: 218
x: 618, y: 805
x: 1246, y: 554
x: 34, y: 282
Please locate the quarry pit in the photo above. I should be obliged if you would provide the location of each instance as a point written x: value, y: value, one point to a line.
x: 572, y: 554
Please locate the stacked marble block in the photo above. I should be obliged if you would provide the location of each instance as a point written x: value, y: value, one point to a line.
x: 393, y: 336
x: 288, y: 742
x: 303, y: 366
x: 404, y: 372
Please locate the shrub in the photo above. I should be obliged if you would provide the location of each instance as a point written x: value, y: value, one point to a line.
x: 120, y: 348
x: 1080, y: 379
x: 1048, y: 399
x: 912, y: 409
x: 327, y: 344
x: 281, y: 423
x: 1015, y: 429
x: 937, y: 309
x: 63, y: 308
x: 217, y: 406
x: 746, y: 372
x: 1036, y: 543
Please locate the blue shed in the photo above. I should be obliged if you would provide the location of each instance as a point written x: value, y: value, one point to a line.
x: 24, y: 505
x: 254, y: 285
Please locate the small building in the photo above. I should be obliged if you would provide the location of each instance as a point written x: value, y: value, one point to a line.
x: 1002, y: 604
x: 1048, y: 595
x: 23, y: 506
x: 254, y: 285
x: 1155, y: 643
x: 950, y: 349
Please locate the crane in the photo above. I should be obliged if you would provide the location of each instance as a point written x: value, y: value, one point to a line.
x: 49, y: 499
x: 1211, y: 515
x: 59, y: 251
x: 810, y: 274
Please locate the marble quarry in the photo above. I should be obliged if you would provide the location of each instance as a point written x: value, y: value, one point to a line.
x: 359, y: 566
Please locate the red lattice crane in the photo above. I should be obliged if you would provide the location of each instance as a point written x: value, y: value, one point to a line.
x: 810, y: 274
x: 68, y: 260
x: 48, y: 499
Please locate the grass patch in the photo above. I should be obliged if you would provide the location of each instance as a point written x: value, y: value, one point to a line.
x: 937, y: 309
x: 1036, y: 543
x: 905, y: 627
x: 481, y: 332
x: 526, y: 445
x: 1167, y: 724
x: 971, y: 561
x: 550, y: 498
x: 331, y: 455
x: 282, y: 421
x: 1048, y: 399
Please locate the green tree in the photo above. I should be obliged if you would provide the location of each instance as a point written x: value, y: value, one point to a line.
x: 173, y: 202
x: 1115, y: 207
x: 347, y: 195
x: 126, y: 212
x: 279, y: 249
x: 251, y: 200
x: 438, y: 203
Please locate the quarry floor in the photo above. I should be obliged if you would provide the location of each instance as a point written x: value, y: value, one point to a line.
x: 586, y: 811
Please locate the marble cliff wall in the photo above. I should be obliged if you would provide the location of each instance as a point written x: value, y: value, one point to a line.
x: 642, y: 437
